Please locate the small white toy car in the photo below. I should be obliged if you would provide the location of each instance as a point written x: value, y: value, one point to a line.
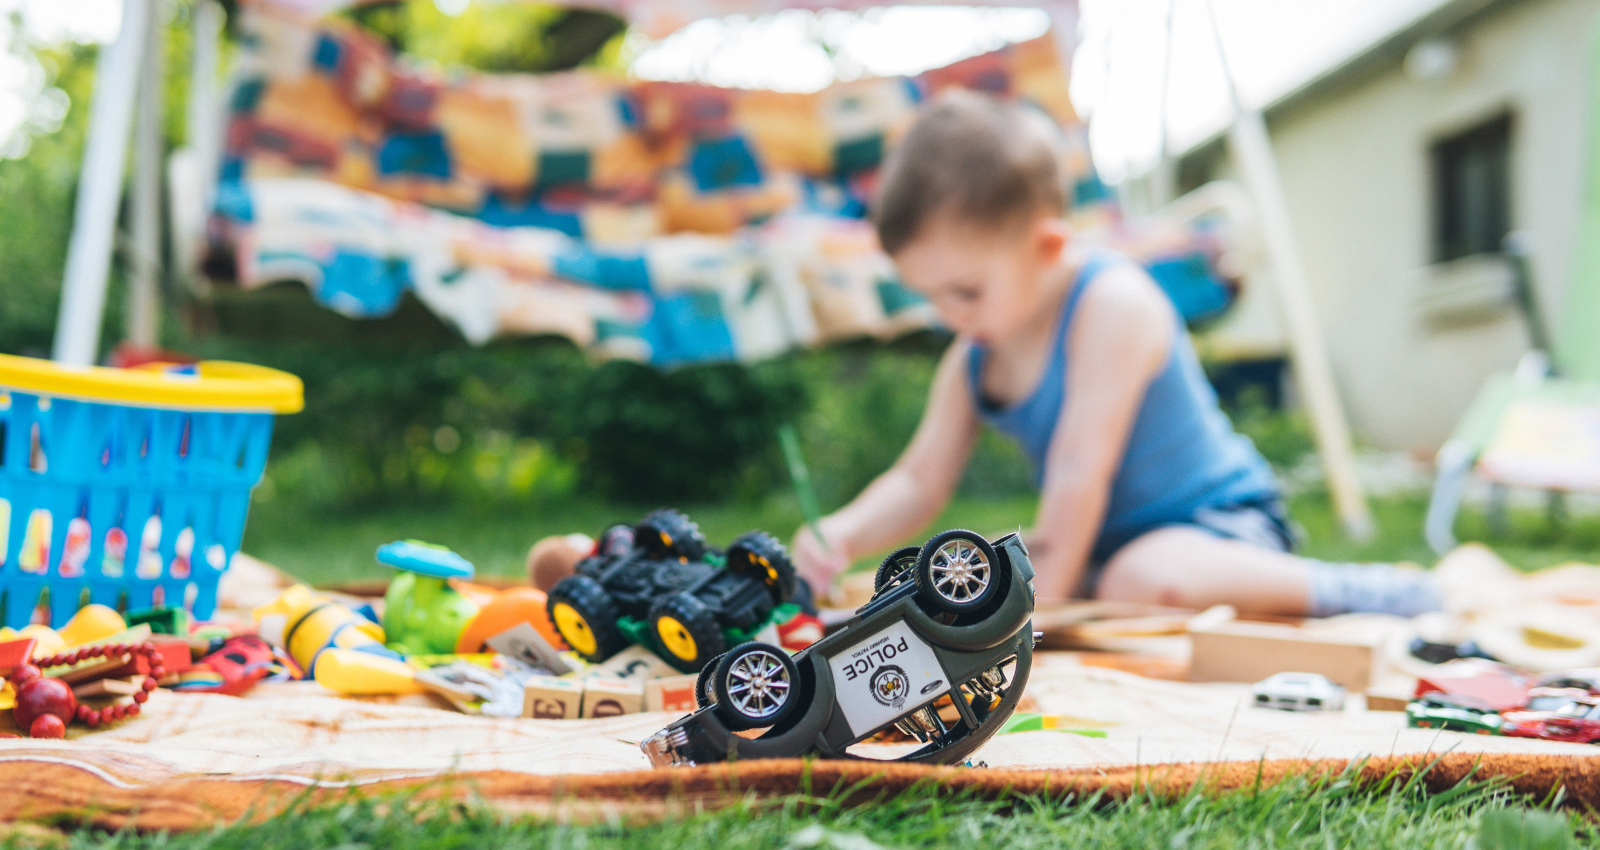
x: 1299, y: 692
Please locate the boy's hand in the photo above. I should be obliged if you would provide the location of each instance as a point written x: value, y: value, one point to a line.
x: 818, y: 564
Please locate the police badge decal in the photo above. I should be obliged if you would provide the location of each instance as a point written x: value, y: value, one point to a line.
x: 890, y: 685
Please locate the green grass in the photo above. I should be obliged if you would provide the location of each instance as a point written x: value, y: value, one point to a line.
x: 328, y: 548
x: 1299, y: 812
x: 1296, y: 813
x: 331, y: 548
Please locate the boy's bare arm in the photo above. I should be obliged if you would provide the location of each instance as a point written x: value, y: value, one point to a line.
x: 1120, y: 339
x: 911, y: 493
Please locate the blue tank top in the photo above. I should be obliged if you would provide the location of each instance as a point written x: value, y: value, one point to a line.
x: 1182, y: 455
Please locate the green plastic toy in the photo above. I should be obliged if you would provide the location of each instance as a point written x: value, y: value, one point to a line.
x: 422, y: 613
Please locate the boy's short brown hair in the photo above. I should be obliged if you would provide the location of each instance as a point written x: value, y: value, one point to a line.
x: 985, y: 161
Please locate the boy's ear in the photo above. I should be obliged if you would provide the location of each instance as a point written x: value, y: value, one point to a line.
x: 1050, y: 237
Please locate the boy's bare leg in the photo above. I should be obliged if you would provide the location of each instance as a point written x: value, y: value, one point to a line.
x: 1189, y: 568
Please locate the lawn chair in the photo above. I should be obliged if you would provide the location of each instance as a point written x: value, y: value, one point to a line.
x: 1532, y: 427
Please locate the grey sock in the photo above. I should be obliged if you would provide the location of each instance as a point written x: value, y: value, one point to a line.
x: 1371, y: 589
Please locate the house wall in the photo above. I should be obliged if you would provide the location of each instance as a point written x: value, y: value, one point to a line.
x: 1357, y: 172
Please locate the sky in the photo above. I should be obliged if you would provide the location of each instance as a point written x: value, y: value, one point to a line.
x: 1272, y: 47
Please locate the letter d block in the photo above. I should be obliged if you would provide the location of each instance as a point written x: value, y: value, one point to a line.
x: 550, y: 698
x: 604, y: 697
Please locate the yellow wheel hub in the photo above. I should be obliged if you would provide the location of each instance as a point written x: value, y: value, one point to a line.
x: 677, y: 639
x: 574, y: 629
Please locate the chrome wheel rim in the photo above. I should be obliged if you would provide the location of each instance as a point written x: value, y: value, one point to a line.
x: 758, y: 684
x: 960, y: 572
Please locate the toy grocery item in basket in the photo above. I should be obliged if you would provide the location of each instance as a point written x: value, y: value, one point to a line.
x: 659, y: 585
x: 928, y: 656
x: 128, y: 482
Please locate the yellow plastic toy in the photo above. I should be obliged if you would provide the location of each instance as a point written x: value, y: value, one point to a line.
x: 305, y: 624
x: 92, y: 623
x: 351, y: 671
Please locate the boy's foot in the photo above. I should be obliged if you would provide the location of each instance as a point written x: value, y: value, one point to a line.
x: 1404, y: 591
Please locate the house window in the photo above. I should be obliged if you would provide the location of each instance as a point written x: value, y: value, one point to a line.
x: 1472, y: 190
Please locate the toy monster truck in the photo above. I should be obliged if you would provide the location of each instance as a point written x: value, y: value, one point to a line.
x: 927, y: 656
x: 659, y: 585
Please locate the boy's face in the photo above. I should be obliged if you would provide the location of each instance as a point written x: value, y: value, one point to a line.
x: 986, y: 285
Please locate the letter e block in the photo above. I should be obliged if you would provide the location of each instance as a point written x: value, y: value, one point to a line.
x: 550, y: 698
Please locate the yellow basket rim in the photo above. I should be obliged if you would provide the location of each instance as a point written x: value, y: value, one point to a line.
x: 221, y: 385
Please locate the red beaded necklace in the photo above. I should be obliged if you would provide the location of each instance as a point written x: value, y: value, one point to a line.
x: 93, y: 717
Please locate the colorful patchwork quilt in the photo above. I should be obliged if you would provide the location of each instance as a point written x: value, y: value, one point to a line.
x: 669, y: 222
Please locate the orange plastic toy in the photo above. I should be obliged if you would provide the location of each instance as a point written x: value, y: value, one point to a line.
x: 506, y: 609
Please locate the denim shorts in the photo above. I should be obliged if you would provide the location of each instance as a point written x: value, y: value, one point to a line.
x: 1264, y: 523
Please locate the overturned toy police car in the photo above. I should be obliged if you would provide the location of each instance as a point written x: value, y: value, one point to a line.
x: 941, y: 632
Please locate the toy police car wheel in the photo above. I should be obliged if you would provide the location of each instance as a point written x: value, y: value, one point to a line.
x: 686, y: 630
x: 895, y: 568
x: 586, y: 618
x: 756, y: 685
x: 667, y: 533
x: 703, y: 695
x: 760, y: 556
x: 957, y: 572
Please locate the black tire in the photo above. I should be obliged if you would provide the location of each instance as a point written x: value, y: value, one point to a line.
x: 685, y: 632
x: 595, y: 614
x: 759, y: 555
x: 667, y: 533
x: 957, y: 573
x: 703, y: 695
x: 615, y: 540
x: 744, y: 681
x: 895, y: 568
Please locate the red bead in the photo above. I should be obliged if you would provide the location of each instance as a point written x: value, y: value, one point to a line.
x: 147, y: 648
x: 133, y: 710
x: 74, y: 657
x: 83, y: 712
x: 44, y: 696
x: 149, y: 683
x: 93, y: 720
x: 97, y: 651
x: 47, y: 726
x: 23, y: 674
x: 140, y: 696
x: 158, y: 671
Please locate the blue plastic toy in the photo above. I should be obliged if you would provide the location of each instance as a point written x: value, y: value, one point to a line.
x: 120, y: 481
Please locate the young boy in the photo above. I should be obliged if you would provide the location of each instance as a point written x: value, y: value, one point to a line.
x: 1147, y: 494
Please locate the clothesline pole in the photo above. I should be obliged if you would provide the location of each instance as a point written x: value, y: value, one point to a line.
x: 1258, y: 166
x: 83, y: 290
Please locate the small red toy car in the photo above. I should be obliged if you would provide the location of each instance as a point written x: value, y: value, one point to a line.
x: 1576, y: 722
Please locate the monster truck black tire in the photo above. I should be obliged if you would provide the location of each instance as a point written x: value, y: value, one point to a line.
x: 615, y: 540
x: 895, y: 568
x: 756, y: 685
x: 957, y: 573
x: 703, y: 695
x: 667, y: 533
x: 685, y: 632
x: 586, y: 618
x: 759, y: 555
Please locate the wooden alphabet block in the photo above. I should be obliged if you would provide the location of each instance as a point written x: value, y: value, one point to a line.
x: 552, y: 698
x: 675, y: 693
x: 603, y: 697
x: 1250, y: 652
x: 634, y: 664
